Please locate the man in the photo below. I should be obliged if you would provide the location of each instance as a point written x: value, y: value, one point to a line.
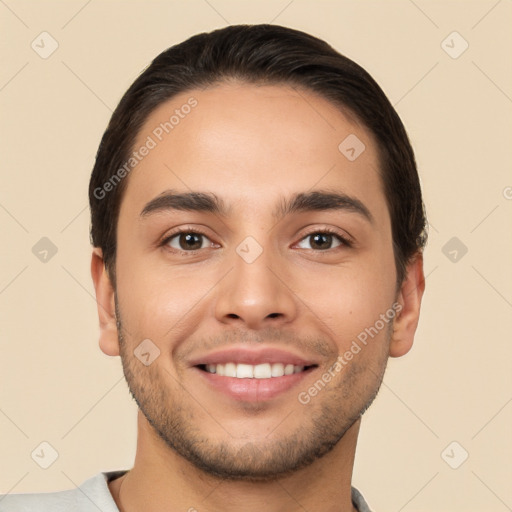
x: 258, y: 228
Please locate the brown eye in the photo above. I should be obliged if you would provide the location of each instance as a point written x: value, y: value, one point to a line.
x: 186, y: 241
x: 324, y: 240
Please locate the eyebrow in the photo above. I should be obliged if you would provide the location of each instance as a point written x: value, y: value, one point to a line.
x: 317, y: 200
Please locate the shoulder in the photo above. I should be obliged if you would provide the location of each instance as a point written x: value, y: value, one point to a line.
x: 92, y: 495
x: 359, y: 502
x: 39, y: 502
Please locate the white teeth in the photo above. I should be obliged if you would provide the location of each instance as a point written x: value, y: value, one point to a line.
x: 249, y: 371
x: 229, y: 369
x: 244, y: 371
x: 277, y: 370
x: 262, y: 371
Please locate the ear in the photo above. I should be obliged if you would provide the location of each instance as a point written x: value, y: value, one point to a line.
x: 109, y: 342
x: 409, y: 298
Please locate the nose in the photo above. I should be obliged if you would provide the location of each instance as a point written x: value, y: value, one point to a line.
x: 256, y: 294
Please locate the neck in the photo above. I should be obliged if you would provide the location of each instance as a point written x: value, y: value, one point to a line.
x: 162, y: 480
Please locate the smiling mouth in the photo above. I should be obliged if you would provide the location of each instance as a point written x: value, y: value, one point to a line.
x: 256, y: 371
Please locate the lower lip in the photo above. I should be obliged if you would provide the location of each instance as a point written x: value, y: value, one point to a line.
x: 253, y: 390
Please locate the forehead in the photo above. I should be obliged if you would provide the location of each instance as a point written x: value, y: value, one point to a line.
x: 247, y: 142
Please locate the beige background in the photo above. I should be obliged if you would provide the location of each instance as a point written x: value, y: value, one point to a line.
x: 456, y: 383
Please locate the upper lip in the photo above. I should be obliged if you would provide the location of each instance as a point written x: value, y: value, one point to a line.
x: 253, y: 356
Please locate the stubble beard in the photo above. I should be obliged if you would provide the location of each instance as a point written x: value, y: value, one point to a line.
x: 170, y: 412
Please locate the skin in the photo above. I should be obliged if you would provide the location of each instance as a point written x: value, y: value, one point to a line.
x: 251, y: 145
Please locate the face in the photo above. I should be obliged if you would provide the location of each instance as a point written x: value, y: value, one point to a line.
x: 254, y: 298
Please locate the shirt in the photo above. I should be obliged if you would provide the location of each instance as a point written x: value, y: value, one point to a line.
x: 91, y: 496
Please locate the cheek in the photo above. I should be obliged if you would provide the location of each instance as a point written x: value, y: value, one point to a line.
x: 156, y: 299
x: 356, y: 304
x: 361, y: 319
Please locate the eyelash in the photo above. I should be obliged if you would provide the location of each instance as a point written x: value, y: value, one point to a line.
x: 327, y: 231
x: 344, y: 240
